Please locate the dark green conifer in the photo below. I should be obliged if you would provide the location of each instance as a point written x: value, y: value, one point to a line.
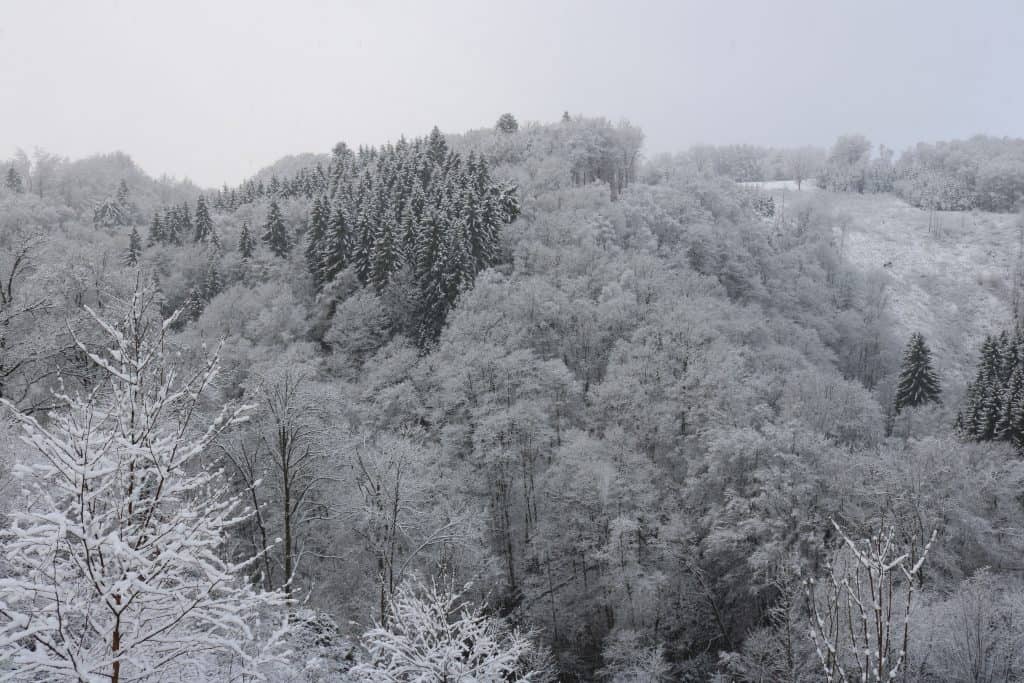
x: 12, y: 181
x: 275, y: 235
x: 131, y: 256
x: 246, y: 243
x: 204, y: 224
x: 918, y: 383
x: 156, y: 230
x: 316, y: 237
x: 507, y: 123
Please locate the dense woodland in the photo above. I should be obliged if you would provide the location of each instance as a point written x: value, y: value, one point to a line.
x: 515, y: 404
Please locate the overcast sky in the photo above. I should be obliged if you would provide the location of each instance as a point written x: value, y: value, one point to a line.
x: 214, y: 91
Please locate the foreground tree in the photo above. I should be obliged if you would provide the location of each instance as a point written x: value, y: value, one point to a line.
x: 113, y: 572
x: 918, y: 383
x: 434, y: 636
x: 860, y: 614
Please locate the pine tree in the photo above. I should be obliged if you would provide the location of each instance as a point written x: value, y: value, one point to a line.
x: 131, y: 256
x: 246, y: 243
x: 12, y: 181
x: 108, y: 214
x: 984, y: 396
x: 122, y: 194
x: 156, y: 231
x: 1008, y: 427
x: 437, y: 147
x: 204, y: 224
x: 213, y: 284
x: 385, y: 255
x: 275, y: 235
x: 918, y: 383
x: 337, y: 245
x: 316, y: 237
x: 184, y: 223
x: 507, y: 123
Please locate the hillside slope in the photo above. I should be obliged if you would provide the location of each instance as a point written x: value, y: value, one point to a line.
x: 952, y: 283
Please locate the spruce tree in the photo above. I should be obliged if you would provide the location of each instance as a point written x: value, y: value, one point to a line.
x: 185, y: 223
x: 213, y: 284
x: 337, y: 246
x: 437, y: 146
x: 12, y: 181
x: 1008, y: 427
x: 385, y: 257
x: 274, y: 233
x: 246, y: 243
x: 316, y: 237
x: 131, y: 256
x: 156, y: 231
x: 122, y: 193
x: 204, y: 224
x: 507, y: 123
x: 988, y: 390
x: 918, y: 383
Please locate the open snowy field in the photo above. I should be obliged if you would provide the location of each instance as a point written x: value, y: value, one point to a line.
x: 952, y: 283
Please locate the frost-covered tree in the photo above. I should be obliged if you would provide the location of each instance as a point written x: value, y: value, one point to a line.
x: 860, y: 611
x: 12, y: 181
x: 156, y: 231
x: 316, y: 235
x: 131, y: 254
x: 246, y: 243
x: 204, y: 224
x: 507, y: 123
x: 274, y: 232
x: 114, y: 571
x: 918, y: 383
x: 435, y: 636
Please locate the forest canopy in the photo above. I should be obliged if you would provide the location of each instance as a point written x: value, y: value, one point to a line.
x: 517, y: 403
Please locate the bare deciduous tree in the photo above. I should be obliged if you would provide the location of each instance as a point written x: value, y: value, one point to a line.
x: 860, y: 613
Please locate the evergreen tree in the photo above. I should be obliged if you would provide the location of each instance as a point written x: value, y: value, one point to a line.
x: 316, y: 237
x: 385, y: 258
x: 983, y: 402
x: 213, y: 284
x: 204, y: 224
x: 131, y: 256
x: 184, y: 223
x: 1009, y: 426
x: 275, y: 235
x: 108, y: 214
x: 246, y: 243
x: 918, y: 383
x: 337, y: 247
x: 12, y: 181
x: 156, y: 231
x: 122, y: 193
x: 437, y: 147
x: 507, y: 123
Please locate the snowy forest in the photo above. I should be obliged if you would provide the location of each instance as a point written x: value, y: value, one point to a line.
x: 523, y: 403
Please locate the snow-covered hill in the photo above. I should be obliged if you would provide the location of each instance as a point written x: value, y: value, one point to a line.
x: 950, y: 273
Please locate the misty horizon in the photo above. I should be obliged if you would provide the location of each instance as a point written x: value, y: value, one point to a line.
x: 215, y: 93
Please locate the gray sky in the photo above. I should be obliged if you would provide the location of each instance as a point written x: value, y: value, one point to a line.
x: 216, y: 90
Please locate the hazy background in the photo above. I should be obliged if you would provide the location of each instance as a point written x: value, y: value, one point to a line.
x: 214, y: 91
